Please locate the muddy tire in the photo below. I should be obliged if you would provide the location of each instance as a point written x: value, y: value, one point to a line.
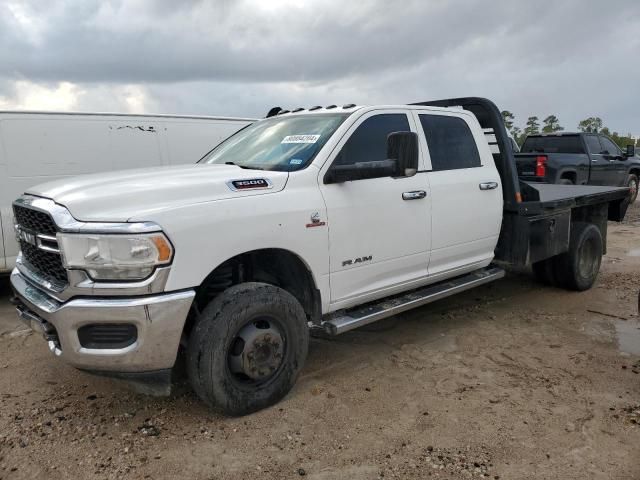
x: 247, y: 348
x: 632, y: 183
x: 565, y: 181
x: 578, y: 268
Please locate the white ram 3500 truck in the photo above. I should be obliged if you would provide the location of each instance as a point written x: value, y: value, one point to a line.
x: 326, y: 218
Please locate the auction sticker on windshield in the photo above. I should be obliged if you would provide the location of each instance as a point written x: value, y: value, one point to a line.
x: 300, y: 139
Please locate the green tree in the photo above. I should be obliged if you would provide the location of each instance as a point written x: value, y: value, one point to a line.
x: 508, y: 119
x: 621, y: 140
x: 551, y: 124
x: 516, y: 132
x: 533, y: 126
x: 590, y: 125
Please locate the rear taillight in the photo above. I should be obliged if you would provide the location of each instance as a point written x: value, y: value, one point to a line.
x: 541, y: 165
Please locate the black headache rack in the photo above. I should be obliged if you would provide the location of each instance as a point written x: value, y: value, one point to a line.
x: 536, y: 221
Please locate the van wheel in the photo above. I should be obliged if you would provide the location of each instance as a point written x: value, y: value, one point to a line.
x: 247, y: 348
x: 565, y: 181
x: 578, y: 268
x: 632, y: 183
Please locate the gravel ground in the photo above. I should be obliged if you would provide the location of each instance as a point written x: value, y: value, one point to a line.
x: 513, y: 381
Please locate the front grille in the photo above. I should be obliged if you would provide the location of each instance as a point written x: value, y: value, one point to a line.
x: 45, y: 264
x: 34, y: 220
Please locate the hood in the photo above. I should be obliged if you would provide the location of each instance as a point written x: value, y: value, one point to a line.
x: 118, y: 196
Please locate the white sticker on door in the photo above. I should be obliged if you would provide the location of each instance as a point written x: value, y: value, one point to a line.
x: 300, y: 139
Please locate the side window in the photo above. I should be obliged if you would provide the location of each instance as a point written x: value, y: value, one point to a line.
x: 369, y: 142
x: 594, y: 144
x: 609, y: 146
x: 450, y: 141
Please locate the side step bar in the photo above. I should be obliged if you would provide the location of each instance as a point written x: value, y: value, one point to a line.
x: 390, y: 306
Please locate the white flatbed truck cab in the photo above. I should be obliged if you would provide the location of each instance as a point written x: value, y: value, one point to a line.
x: 327, y: 218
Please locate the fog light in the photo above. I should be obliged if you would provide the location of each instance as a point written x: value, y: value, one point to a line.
x: 107, y: 335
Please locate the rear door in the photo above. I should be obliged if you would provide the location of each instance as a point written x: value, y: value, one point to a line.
x: 466, y: 193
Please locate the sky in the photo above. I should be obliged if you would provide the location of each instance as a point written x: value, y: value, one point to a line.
x: 570, y: 58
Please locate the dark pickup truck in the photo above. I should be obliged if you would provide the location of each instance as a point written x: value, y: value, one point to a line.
x: 578, y: 159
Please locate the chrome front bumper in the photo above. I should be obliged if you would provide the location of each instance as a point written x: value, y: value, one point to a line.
x: 159, y: 320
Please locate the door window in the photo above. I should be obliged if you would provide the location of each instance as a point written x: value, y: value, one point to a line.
x: 369, y: 142
x: 450, y: 141
x: 610, y: 147
x: 594, y: 144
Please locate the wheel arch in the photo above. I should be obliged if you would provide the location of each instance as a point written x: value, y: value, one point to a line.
x: 275, y: 266
x: 569, y: 174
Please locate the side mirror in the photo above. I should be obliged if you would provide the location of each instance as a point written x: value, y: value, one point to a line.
x: 631, y: 151
x: 361, y: 171
x: 403, y: 148
x: 402, y: 161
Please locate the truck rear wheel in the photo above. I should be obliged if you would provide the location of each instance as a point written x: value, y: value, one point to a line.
x: 578, y: 268
x: 247, y: 348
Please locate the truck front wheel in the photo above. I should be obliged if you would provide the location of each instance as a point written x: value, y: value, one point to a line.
x: 632, y: 183
x: 247, y: 348
x: 578, y: 268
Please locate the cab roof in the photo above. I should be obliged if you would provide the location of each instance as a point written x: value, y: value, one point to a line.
x: 350, y: 108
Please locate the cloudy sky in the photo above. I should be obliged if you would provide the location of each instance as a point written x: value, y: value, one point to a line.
x: 572, y: 58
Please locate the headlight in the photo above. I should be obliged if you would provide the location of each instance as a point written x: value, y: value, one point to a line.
x: 115, y: 257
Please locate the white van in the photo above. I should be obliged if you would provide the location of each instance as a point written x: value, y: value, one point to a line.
x: 36, y: 147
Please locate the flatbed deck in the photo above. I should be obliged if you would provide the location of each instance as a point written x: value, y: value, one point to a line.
x: 544, y: 196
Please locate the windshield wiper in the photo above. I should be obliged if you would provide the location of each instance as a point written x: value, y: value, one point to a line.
x: 245, y: 167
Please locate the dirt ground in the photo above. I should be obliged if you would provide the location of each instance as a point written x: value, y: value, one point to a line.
x: 512, y: 381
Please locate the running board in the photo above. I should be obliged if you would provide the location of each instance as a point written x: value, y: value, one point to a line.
x: 390, y: 306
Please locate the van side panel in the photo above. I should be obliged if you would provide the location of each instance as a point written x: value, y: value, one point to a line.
x: 3, y: 259
x: 134, y: 144
x: 3, y: 193
x: 189, y: 140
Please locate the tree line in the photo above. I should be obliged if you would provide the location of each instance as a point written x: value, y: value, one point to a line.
x: 551, y: 124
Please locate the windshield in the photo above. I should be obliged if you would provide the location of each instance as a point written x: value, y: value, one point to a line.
x: 280, y: 143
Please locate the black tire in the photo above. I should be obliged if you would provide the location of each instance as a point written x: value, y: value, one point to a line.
x: 565, y: 181
x: 632, y: 183
x: 578, y: 268
x: 213, y: 344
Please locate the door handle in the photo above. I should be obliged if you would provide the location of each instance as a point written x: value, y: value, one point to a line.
x: 488, y: 185
x: 415, y: 195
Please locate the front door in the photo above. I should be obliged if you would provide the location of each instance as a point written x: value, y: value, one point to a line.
x: 617, y: 171
x: 379, y: 239
x: 599, y: 165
